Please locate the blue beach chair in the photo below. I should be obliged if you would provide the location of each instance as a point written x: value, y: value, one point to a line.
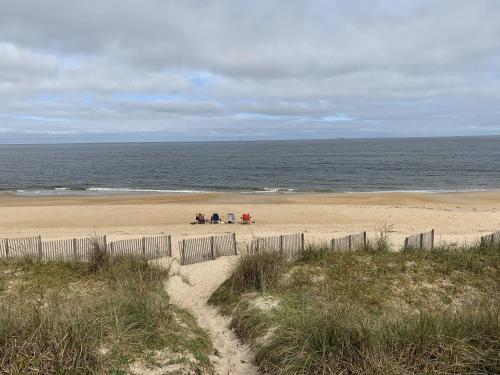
x: 215, y: 219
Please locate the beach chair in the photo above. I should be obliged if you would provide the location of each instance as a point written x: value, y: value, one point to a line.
x: 231, y: 218
x: 245, y: 218
x: 215, y: 219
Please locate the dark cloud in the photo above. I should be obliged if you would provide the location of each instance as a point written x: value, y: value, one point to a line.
x: 235, y: 68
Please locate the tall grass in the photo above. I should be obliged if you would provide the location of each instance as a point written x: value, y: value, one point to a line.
x: 116, y: 314
x: 257, y: 270
x: 341, y: 340
x: 372, y: 311
x: 313, y: 252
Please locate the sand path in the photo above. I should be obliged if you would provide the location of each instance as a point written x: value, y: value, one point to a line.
x: 190, y: 287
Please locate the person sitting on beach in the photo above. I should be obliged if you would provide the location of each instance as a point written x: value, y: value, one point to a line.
x: 200, y: 218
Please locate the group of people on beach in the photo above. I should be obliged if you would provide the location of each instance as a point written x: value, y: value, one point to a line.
x: 217, y: 219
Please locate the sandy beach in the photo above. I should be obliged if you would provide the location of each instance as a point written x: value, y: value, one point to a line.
x: 456, y: 217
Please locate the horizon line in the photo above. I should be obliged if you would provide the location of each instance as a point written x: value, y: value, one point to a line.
x: 249, y: 140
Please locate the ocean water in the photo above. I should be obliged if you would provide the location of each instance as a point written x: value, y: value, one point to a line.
x: 344, y: 165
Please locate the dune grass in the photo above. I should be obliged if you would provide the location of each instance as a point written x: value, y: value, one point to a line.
x: 75, y: 318
x: 372, y: 311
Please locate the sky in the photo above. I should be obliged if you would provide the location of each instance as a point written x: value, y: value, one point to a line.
x: 163, y: 70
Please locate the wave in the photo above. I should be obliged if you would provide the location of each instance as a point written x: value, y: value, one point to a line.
x: 138, y: 190
x: 94, y: 190
x: 270, y: 190
x: 101, y: 191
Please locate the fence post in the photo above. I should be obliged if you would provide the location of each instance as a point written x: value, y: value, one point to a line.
x: 258, y: 245
x: 40, y: 250
x: 112, y: 248
x: 302, y: 242
x: 143, y: 242
x: 364, y: 239
x: 406, y: 243
x: 183, y: 259
x: 421, y: 241
x: 6, y: 247
x: 169, y: 244
x: 332, y: 244
x: 350, y: 242
x: 212, y: 247
x: 74, y: 249
x: 105, y: 244
x: 235, y: 246
x: 281, y: 244
x: 432, y: 239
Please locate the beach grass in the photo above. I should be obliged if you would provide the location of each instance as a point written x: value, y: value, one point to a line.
x: 373, y: 311
x: 112, y: 317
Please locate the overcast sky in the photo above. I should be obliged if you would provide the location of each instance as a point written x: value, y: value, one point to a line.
x: 160, y: 70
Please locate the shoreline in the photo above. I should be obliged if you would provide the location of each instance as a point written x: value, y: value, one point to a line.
x: 56, y: 192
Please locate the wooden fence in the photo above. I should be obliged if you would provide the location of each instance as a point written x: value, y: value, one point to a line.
x: 20, y: 247
x: 196, y: 250
x: 349, y: 243
x: 289, y: 244
x: 424, y: 241
x: 146, y: 247
x: 76, y: 249
x: 492, y: 239
x: 79, y: 249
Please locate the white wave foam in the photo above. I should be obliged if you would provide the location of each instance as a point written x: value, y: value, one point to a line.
x: 100, y: 190
x: 132, y: 190
x: 271, y: 190
x: 267, y: 190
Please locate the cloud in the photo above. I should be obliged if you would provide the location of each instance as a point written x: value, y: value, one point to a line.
x: 18, y: 64
x: 228, y: 68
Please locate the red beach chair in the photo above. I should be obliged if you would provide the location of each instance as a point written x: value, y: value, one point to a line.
x: 245, y: 218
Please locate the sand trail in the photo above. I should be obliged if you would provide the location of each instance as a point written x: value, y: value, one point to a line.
x: 190, y: 287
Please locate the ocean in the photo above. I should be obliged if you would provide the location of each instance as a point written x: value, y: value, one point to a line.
x: 340, y: 165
